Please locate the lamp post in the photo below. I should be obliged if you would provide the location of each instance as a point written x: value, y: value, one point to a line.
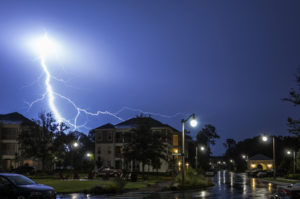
x: 265, y: 139
x: 288, y: 152
x: 193, y: 123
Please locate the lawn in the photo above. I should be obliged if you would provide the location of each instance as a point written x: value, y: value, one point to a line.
x: 77, y: 186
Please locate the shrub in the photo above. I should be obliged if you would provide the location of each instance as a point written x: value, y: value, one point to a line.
x: 293, y: 176
x: 116, y: 186
x: 193, y: 178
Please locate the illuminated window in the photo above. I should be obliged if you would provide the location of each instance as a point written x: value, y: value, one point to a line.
x: 253, y: 165
x: 175, y: 140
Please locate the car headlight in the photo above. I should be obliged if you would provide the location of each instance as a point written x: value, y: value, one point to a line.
x: 51, y: 193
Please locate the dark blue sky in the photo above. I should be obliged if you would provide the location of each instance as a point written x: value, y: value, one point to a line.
x: 230, y: 62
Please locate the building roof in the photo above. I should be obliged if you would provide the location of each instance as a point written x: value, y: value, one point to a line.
x: 132, y: 123
x: 259, y: 157
x: 13, y: 118
x: 106, y: 126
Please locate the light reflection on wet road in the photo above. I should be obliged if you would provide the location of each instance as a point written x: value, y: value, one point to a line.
x: 227, y: 185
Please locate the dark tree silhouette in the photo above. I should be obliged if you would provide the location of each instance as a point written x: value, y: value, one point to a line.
x: 145, y: 145
x: 294, y: 98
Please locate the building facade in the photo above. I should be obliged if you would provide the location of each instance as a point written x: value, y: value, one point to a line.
x: 111, y: 139
x: 260, y: 162
x: 10, y: 127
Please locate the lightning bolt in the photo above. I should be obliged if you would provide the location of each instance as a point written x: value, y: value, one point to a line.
x: 51, y: 95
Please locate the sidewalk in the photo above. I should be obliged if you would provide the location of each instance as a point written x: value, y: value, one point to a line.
x: 280, y: 181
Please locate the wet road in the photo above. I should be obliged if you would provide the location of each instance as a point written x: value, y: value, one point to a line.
x: 227, y: 185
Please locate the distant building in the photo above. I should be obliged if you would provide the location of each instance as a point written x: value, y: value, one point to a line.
x: 110, y: 140
x: 10, y: 127
x: 261, y: 162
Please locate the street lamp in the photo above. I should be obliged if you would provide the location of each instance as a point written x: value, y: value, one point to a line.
x: 245, y: 157
x: 88, y: 155
x: 265, y: 139
x: 193, y: 123
x: 75, y: 144
x: 202, y: 148
x: 289, y: 152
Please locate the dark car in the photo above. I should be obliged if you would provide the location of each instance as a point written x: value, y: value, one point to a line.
x: 288, y: 192
x: 27, y: 170
x: 16, y: 186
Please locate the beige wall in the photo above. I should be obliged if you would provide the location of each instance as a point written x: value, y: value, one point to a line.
x: 109, y: 159
x: 9, y: 147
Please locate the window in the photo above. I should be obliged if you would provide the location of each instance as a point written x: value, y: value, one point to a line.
x: 108, y: 164
x: 119, y: 138
x: 108, y: 150
x: 175, y: 140
x: 3, y: 181
x: 9, y: 134
x: 109, y: 136
x: 99, y: 136
x: 99, y: 150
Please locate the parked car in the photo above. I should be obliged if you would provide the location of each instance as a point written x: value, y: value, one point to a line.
x: 261, y: 174
x: 210, y: 173
x: 21, y: 187
x: 109, y: 172
x: 26, y: 170
x: 288, y: 192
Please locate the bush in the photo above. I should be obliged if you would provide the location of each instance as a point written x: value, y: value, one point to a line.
x: 293, y: 176
x: 193, y: 178
x: 116, y: 186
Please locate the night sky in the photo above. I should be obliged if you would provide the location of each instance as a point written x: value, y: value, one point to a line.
x: 230, y: 62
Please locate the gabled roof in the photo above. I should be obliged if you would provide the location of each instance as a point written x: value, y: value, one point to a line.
x: 259, y: 157
x: 132, y: 123
x: 106, y: 126
x: 13, y: 118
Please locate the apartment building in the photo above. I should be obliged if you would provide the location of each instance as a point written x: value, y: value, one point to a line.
x: 110, y: 140
x: 10, y: 127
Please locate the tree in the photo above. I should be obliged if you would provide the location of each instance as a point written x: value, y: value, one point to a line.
x: 145, y: 145
x: 206, y: 136
x: 36, y: 139
x: 230, y: 144
x: 294, y: 98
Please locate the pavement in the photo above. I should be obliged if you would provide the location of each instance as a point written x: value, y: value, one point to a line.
x: 278, y: 181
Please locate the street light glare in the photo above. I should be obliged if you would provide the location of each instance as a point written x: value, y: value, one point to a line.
x: 202, y: 148
x: 75, y: 144
x: 193, y: 123
x: 289, y: 152
x: 264, y: 138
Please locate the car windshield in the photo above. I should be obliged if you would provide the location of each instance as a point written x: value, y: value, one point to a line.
x: 20, y: 180
x: 297, y: 184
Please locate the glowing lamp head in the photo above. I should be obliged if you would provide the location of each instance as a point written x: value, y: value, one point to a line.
x: 193, y: 121
x: 244, y: 156
x: 202, y: 148
x: 264, y: 138
x: 89, y: 155
x: 288, y: 152
x: 75, y: 144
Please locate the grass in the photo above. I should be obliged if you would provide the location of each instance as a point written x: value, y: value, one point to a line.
x: 77, y: 186
x: 193, y: 179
